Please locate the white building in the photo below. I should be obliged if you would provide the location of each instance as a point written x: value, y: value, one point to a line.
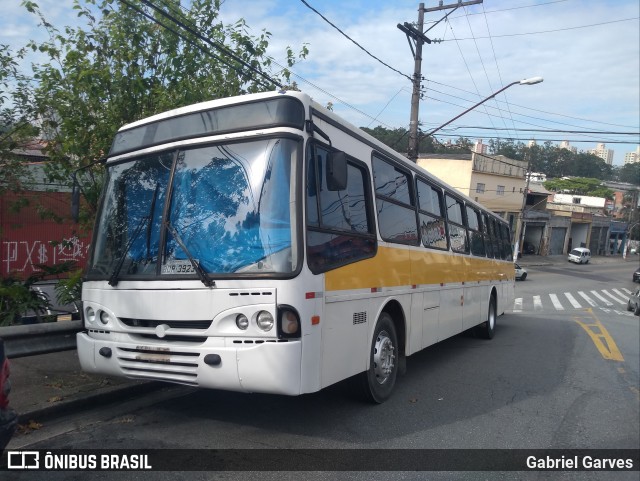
x: 632, y: 157
x: 604, y: 153
x: 565, y: 145
x: 480, y: 148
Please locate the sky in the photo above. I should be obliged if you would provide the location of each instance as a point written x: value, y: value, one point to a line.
x: 587, y: 51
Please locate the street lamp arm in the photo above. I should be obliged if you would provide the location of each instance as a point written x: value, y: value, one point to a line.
x: 530, y: 81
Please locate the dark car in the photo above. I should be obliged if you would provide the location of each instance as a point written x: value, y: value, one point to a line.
x: 633, y: 304
x: 8, y: 417
x: 636, y: 275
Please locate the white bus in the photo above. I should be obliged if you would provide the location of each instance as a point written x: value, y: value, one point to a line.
x: 263, y: 244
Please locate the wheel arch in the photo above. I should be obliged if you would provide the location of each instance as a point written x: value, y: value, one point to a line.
x: 395, y: 310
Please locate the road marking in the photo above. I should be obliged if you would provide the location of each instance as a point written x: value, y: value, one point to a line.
x: 556, y: 302
x: 588, y: 299
x: 626, y: 290
x: 601, y: 338
x: 572, y: 300
x: 617, y: 299
x: 606, y: 302
x: 537, y: 303
x: 517, y: 305
x: 620, y: 293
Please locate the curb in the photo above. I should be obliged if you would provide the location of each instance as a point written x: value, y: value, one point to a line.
x: 89, y: 401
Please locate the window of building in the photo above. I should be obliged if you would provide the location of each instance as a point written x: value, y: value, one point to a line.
x: 500, y: 190
x: 479, y: 188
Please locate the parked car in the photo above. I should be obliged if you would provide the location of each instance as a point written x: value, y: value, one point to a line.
x: 521, y: 272
x: 633, y: 304
x: 8, y: 417
x: 636, y: 275
x: 579, y: 255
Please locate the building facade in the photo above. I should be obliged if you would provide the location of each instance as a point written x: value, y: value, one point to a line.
x: 496, y: 182
x: 604, y: 153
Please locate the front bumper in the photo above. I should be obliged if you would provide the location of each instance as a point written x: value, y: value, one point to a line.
x: 251, y: 366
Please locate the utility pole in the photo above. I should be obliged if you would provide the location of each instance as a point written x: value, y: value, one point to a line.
x: 419, y: 38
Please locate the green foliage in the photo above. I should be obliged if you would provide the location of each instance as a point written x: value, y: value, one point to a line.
x: 629, y: 173
x: 19, y: 298
x: 579, y: 186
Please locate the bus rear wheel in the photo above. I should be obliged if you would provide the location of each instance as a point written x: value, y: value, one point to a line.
x: 487, y: 329
x: 376, y: 383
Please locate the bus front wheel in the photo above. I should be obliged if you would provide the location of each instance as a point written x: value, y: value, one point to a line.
x: 377, y: 382
x: 487, y: 329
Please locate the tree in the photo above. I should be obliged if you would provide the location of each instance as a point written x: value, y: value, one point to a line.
x: 579, y: 186
x: 629, y: 173
x: 123, y: 66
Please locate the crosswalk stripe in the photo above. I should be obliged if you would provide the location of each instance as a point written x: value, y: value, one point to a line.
x: 517, y: 305
x: 620, y: 293
x: 588, y: 299
x: 572, y: 300
x: 626, y: 290
x: 617, y: 299
x: 537, y: 303
x: 606, y: 302
x: 556, y: 302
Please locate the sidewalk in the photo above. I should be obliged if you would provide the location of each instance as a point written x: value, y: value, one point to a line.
x: 53, y: 384
x: 534, y: 261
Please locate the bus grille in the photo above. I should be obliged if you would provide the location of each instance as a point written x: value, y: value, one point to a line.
x: 153, y: 323
x: 160, y: 364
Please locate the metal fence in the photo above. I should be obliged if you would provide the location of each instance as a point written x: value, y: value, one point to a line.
x: 43, y: 338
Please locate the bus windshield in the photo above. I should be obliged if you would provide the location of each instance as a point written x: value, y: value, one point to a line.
x: 231, y: 210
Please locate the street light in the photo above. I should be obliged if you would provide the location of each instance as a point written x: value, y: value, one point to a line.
x: 528, y: 81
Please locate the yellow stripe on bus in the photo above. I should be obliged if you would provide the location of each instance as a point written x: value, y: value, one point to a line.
x: 393, y: 266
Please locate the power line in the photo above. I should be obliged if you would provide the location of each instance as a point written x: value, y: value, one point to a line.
x: 605, y: 132
x: 216, y: 45
x: 553, y: 31
x: 354, y: 42
x: 191, y: 42
x: 311, y: 84
x: 507, y: 9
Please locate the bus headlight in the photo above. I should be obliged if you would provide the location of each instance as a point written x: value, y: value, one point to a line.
x: 288, y: 322
x: 242, y: 322
x: 104, y: 317
x: 91, y: 314
x: 265, y: 320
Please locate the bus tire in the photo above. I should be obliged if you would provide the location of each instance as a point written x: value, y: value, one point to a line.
x: 376, y: 383
x: 487, y: 329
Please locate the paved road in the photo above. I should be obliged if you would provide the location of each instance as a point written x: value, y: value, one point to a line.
x: 551, y: 378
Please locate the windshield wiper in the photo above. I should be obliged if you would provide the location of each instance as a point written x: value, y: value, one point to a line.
x: 113, y: 280
x: 196, y: 265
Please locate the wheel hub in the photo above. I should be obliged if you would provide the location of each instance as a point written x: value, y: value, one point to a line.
x: 383, y: 357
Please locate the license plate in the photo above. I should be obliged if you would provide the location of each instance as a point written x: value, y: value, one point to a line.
x: 176, y: 266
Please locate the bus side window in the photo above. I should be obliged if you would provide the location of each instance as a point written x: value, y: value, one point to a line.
x: 339, y: 231
x: 488, y: 242
x: 457, y: 232
x: 396, y: 213
x: 433, y: 232
x: 475, y: 234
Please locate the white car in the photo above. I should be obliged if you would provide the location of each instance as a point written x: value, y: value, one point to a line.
x: 579, y: 255
x: 521, y: 272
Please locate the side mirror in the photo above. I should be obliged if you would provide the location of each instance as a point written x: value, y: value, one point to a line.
x: 336, y: 171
